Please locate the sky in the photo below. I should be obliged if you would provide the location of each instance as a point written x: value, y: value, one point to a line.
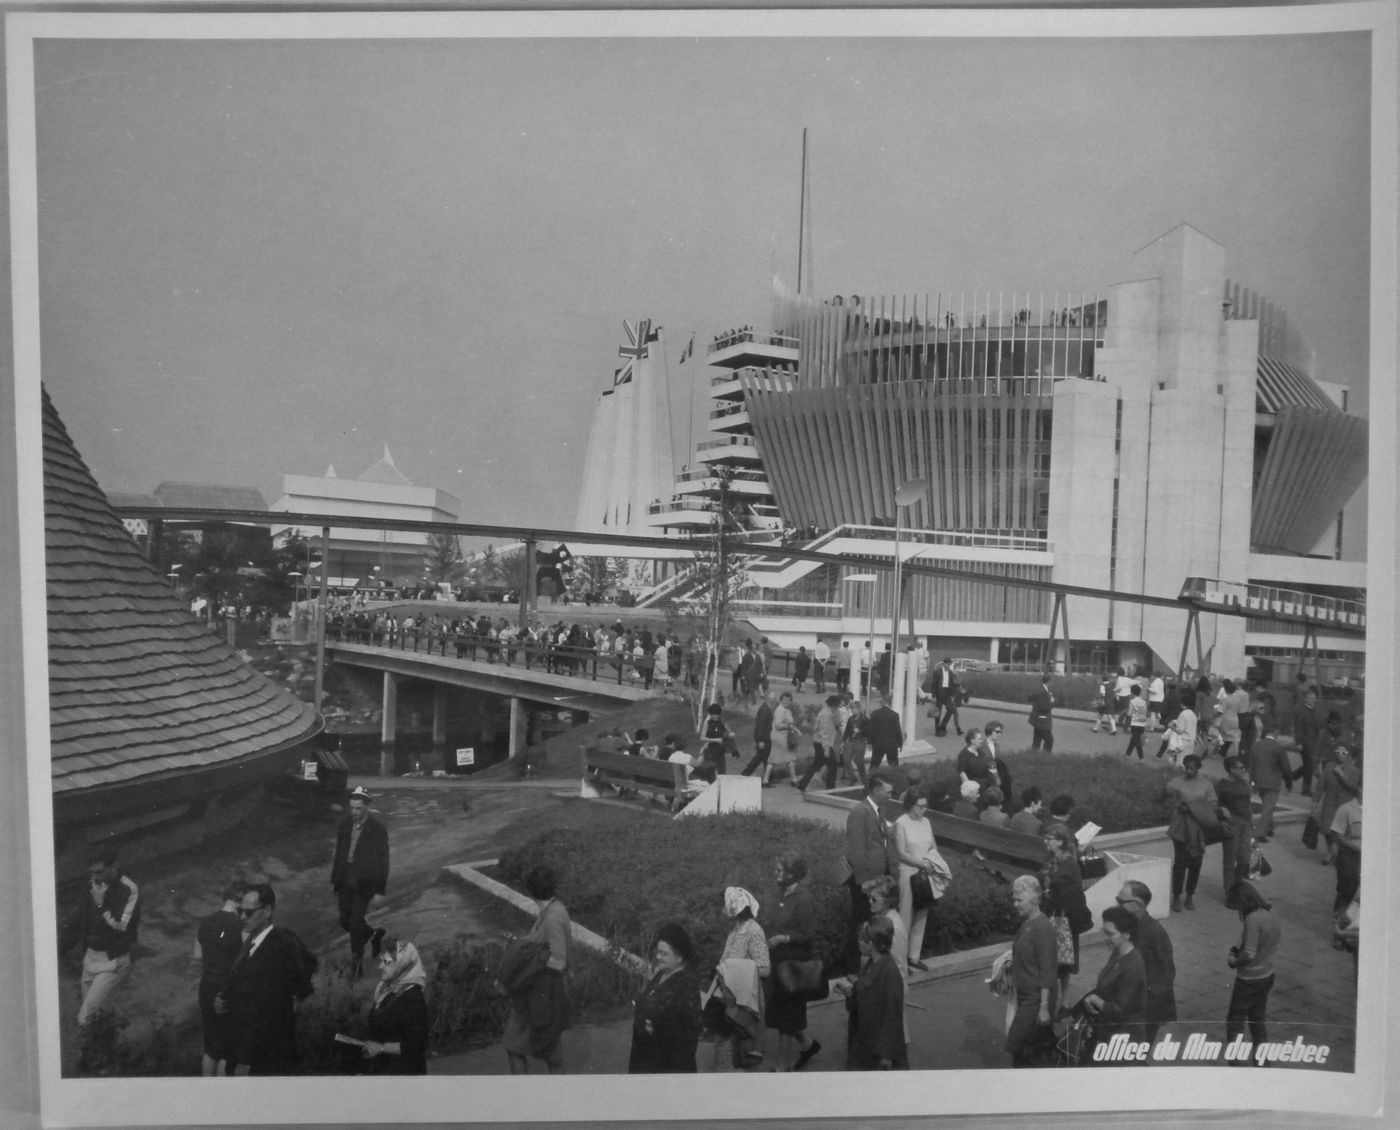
x: 260, y: 258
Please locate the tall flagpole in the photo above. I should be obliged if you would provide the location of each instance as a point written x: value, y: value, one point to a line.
x: 802, y: 213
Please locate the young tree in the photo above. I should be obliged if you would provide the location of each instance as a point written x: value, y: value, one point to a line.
x: 444, y: 560
x: 717, y: 578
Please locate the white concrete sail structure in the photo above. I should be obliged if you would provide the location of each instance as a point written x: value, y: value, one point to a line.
x: 629, y: 462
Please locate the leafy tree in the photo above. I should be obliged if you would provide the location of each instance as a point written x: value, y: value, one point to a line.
x: 444, y: 560
x: 596, y: 575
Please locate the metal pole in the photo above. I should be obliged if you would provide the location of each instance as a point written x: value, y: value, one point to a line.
x: 321, y: 617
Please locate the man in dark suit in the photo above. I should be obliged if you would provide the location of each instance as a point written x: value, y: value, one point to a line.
x: 360, y: 871
x: 1155, y: 945
x: 271, y: 973
x: 886, y: 734
x: 945, y: 697
x: 869, y: 848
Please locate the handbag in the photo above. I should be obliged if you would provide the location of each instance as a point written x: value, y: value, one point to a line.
x: 1310, y: 833
x: 1064, y: 940
x: 921, y: 891
x: 1259, y: 867
x: 792, y: 738
x: 805, y: 979
x: 1092, y: 865
x: 714, y: 1018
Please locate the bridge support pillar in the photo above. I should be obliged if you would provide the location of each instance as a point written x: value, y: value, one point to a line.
x: 517, y: 727
x: 390, y: 709
x: 439, y: 714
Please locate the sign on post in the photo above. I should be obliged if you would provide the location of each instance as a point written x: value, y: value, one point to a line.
x: 466, y: 756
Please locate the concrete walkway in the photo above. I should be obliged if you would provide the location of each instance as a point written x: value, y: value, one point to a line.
x: 954, y: 1021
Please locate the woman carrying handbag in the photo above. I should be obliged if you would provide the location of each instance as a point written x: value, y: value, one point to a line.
x: 921, y: 866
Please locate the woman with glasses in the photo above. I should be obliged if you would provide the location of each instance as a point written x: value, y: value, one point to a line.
x: 1063, y: 882
x: 398, y: 1014
x: 917, y: 854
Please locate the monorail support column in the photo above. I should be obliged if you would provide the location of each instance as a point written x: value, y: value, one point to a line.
x: 439, y: 714
x: 1058, y: 615
x: 529, y: 595
x: 1193, y: 625
x: 154, y: 528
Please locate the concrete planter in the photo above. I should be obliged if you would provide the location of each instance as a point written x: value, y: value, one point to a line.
x: 1122, y: 866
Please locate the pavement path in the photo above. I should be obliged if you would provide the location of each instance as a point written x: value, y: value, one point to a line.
x: 954, y: 1022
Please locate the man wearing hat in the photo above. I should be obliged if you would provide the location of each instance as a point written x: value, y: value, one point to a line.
x: 360, y: 871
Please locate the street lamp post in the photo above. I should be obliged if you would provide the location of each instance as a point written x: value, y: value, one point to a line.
x: 906, y: 494
x: 870, y: 578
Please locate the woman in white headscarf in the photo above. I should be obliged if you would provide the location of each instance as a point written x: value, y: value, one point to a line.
x: 398, y: 1015
x: 743, y: 963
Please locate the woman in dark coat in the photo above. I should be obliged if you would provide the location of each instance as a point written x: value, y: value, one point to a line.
x: 875, y: 1003
x: 666, y: 1025
x: 792, y: 927
x: 1064, y: 892
x: 1119, y: 1000
x: 398, y: 1015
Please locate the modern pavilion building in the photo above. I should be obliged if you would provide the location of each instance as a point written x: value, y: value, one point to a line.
x: 1170, y: 429
x: 382, y: 491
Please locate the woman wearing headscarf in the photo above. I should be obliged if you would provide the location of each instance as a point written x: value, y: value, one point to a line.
x: 538, y: 1016
x: 398, y: 1014
x: 738, y: 986
x: 666, y: 1025
x: 875, y: 1036
x: 1193, y: 805
x: 792, y: 929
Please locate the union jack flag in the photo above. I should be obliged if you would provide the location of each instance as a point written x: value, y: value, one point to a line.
x: 637, y: 337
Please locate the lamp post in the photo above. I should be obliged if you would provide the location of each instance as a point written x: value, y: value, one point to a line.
x: 867, y: 578
x: 906, y: 494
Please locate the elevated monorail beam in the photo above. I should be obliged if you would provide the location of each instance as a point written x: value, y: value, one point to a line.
x: 775, y: 552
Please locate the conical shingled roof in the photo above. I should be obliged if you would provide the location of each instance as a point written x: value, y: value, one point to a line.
x: 139, y: 691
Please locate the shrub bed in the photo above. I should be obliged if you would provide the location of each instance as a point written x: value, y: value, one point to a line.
x: 1108, y: 790
x: 625, y: 882
x: 1074, y: 692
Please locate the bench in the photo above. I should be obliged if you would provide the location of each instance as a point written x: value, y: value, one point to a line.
x: 657, y: 778
x: 1020, y: 848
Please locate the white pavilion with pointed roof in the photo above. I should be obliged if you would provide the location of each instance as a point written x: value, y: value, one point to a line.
x: 381, y: 491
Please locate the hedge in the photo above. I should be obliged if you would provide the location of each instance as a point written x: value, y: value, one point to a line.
x: 1113, y: 792
x: 624, y: 882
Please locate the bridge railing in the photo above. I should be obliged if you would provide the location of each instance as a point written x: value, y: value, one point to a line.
x: 555, y: 659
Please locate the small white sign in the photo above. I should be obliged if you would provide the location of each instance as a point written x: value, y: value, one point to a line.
x: 308, y: 770
x: 466, y: 756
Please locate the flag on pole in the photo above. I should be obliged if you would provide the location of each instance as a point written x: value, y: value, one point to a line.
x: 637, y: 338
x: 688, y: 350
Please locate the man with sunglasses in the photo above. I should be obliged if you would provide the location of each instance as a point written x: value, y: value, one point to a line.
x: 271, y: 973
x: 1155, y: 945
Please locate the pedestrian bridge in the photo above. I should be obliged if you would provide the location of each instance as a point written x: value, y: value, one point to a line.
x: 517, y: 682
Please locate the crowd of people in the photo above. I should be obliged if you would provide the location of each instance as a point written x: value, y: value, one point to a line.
x: 716, y: 1014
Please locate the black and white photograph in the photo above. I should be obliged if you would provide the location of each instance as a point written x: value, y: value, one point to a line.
x: 615, y: 547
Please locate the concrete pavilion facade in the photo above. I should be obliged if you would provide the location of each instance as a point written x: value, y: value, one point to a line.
x: 381, y: 491
x: 629, y: 463
x: 1168, y: 429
